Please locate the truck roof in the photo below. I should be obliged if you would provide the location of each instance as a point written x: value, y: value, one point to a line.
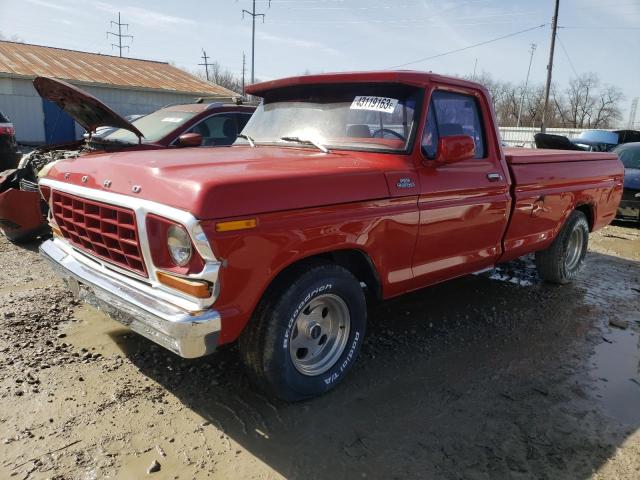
x: 532, y: 155
x: 407, y: 77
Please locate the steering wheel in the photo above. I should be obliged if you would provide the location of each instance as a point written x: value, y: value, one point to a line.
x: 382, y: 131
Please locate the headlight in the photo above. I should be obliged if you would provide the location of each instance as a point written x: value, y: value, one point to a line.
x: 179, y: 245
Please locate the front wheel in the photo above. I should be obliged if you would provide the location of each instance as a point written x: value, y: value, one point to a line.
x: 306, y: 332
x: 561, y: 262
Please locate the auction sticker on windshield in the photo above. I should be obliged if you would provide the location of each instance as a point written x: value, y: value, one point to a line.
x: 171, y: 119
x: 376, y: 104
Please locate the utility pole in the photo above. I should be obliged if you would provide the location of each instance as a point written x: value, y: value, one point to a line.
x: 474, y: 70
x: 253, y: 36
x: 547, y: 87
x: 526, y: 83
x: 206, y: 64
x: 632, y: 114
x: 243, y: 70
x: 120, y: 35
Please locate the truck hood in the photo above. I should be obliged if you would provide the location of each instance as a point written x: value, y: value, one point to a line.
x: 84, y: 108
x: 239, y: 180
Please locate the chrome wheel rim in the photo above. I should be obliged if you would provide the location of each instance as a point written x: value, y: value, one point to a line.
x: 319, y: 335
x: 574, y: 249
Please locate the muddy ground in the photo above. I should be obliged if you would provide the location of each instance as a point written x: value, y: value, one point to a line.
x: 487, y: 377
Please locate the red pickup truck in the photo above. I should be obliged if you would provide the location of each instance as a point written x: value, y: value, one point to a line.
x: 384, y: 181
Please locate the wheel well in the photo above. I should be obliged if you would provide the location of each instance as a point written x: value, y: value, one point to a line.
x: 356, y: 261
x: 588, y: 212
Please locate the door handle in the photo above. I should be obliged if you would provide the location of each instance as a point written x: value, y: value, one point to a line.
x: 494, y: 177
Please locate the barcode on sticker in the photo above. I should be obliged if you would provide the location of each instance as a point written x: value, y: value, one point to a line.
x: 376, y: 104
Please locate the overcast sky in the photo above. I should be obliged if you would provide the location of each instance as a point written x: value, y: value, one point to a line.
x: 601, y: 36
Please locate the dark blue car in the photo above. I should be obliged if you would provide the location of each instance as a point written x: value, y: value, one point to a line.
x: 629, y: 153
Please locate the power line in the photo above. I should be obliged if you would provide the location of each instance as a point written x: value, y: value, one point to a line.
x: 598, y: 27
x: 253, y: 35
x: 404, y: 20
x: 526, y: 83
x: 206, y: 64
x: 567, y: 55
x: 120, y: 35
x: 468, y: 47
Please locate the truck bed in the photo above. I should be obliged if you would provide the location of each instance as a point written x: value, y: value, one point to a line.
x: 532, y: 156
x: 548, y: 184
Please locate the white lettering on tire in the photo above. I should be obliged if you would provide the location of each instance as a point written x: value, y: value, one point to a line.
x: 335, y: 375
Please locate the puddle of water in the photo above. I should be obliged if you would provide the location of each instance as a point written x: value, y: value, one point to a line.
x: 617, y: 368
x: 520, y: 272
x: 97, y: 332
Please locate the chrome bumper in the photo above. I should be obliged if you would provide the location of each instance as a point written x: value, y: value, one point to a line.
x: 189, y: 334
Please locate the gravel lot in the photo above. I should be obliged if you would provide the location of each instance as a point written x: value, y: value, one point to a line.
x: 486, y: 377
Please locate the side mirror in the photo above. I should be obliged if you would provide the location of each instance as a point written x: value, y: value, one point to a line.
x: 455, y: 148
x: 189, y: 140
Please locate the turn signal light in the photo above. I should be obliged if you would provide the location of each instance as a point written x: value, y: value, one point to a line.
x: 236, y: 225
x: 195, y: 288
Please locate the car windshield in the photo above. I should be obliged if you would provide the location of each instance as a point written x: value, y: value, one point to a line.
x: 630, y: 156
x: 378, y: 117
x: 154, y: 126
x: 597, y: 136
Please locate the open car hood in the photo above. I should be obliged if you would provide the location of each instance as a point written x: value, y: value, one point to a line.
x: 84, y: 108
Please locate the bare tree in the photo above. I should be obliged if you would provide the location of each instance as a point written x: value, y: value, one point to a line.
x: 607, y: 107
x: 12, y: 38
x: 581, y: 100
x: 221, y: 76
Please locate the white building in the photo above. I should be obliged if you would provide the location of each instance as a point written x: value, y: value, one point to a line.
x: 129, y: 86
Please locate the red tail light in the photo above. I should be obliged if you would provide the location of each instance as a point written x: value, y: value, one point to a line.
x: 7, y: 131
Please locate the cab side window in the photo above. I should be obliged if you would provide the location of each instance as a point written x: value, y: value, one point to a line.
x: 217, y: 130
x: 242, y: 119
x: 453, y: 114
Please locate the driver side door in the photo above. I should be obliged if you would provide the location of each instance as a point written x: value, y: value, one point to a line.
x: 463, y: 206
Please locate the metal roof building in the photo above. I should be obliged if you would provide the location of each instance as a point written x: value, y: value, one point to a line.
x: 129, y: 86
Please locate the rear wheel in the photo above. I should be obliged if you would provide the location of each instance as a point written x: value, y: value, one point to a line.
x: 561, y: 262
x: 306, y: 332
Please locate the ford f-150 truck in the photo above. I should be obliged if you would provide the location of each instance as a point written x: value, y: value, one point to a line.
x: 342, y: 184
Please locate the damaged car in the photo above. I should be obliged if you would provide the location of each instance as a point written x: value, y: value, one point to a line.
x: 23, y: 212
x: 588, y: 141
x: 629, y: 154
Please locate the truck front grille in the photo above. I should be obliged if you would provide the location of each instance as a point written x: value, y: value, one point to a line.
x: 105, y: 231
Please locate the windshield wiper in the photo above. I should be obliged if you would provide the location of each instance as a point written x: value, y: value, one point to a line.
x: 251, y: 141
x: 306, y: 141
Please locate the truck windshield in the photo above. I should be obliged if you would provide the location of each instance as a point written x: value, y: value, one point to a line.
x: 154, y: 126
x: 377, y: 117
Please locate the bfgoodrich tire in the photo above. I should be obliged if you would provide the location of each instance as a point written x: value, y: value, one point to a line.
x: 307, y: 332
x: 561, y: 262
